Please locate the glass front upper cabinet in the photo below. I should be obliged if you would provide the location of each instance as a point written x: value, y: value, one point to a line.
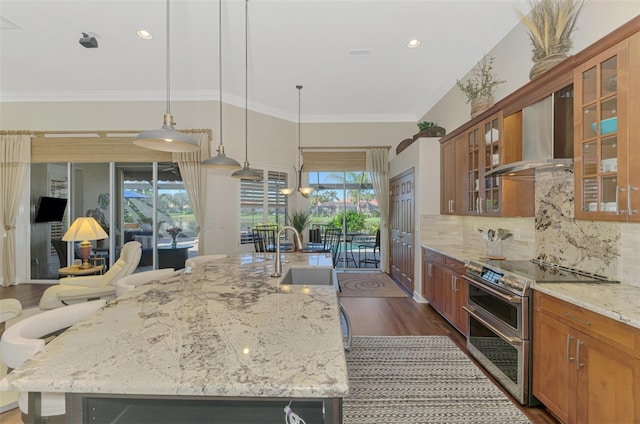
x: 600, y: 191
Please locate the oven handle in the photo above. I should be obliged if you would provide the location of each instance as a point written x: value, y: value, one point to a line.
x: 514, y: 341
x: 511, y: 299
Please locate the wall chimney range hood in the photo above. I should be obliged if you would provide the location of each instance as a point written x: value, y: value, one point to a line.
x: 547, y: 136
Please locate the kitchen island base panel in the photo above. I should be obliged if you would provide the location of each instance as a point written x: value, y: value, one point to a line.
x: 133, y: 409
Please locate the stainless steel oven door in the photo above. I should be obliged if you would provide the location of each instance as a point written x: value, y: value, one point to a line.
x: 505, y: 357
x: 509, y: 312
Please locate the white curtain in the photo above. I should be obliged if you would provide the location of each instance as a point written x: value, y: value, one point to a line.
x: 378, y: 168
x: 15, y: 155
x: 194, y: 177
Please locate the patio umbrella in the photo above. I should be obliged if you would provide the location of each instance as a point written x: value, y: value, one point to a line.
x: 130, y: 194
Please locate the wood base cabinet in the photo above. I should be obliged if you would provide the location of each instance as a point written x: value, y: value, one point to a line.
x: 444, y: 288
x: 586, y: 367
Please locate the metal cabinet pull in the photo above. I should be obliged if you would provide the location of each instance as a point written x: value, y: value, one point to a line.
x: 569, y: 357
x: 578, y: 363
x: 480, y: 205
x: 570, y: 316
x: 430, y: 270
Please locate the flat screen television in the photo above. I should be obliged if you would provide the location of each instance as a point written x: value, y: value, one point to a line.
x: 50, y: 209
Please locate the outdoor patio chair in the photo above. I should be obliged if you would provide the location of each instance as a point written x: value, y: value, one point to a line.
x: 365, y: 246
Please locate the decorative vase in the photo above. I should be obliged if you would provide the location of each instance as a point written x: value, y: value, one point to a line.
x: 480, y: 104
x: 174, y: 242
x: 546, y: 63
x: 299, y: 247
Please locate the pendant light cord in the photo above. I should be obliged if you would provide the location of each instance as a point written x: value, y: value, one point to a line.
x: 299, y: 87
x: 220, y: 64
x: 246, y: 81
x: 168, y: 57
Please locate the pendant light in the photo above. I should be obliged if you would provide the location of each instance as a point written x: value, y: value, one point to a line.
x: 246, y: 173
x: 304, y: 191
x: 220, y: 161
x: 167, y: 139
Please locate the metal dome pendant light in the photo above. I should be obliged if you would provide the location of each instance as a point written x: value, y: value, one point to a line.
x: 246, y: 173
x: 304, y: 191
x: 167, y: 139
x: 220, y: 161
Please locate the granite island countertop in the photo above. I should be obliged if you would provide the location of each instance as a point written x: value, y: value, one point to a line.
x: 620, y: 302
x: 228, y: 329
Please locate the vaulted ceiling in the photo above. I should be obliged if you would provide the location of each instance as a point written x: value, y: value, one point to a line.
x: 350, y: 55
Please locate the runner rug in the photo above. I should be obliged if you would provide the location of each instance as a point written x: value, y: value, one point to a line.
x: 372, y: 284
x: 420, y: 379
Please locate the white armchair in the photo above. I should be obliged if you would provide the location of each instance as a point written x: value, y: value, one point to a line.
x: 80, y: 289
x: 9, y: 309
x: 130, y: 282
x: 24, y: 339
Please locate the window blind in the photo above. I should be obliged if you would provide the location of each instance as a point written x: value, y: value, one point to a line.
x: 334, y: 161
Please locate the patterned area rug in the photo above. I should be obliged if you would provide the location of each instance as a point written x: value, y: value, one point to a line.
x: 420, y: 379
x: 376, y: 284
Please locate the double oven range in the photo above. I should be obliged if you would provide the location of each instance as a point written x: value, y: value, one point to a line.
x: 500, y: 312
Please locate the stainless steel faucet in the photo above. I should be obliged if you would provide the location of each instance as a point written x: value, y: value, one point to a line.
x: 277, y: 272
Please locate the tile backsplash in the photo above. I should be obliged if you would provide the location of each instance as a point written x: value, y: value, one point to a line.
x: 606, y: 248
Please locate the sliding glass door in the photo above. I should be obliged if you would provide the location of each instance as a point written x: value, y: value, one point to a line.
x: 346, y: 200
x: 145, y: 202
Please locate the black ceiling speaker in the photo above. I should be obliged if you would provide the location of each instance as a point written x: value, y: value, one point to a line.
x: 87, y: 41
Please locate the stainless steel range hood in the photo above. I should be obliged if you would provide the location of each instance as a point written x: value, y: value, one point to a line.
x: 547, y: 136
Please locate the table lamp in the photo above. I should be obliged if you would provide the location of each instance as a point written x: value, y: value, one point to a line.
x: 83, y: 230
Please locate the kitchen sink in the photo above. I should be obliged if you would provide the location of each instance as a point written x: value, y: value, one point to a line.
x: 310, y: 276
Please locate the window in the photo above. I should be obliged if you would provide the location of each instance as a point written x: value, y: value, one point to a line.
x: 262, y: 203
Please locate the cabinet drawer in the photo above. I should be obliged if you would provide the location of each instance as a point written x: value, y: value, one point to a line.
x: 455, y: 265
x: 620, y: 335
x: 432, y: 256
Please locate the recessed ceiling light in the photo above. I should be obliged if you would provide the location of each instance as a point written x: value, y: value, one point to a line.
x: 412, y: 44
x: 142, y: 33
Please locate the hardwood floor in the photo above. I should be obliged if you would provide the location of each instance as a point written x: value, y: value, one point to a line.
x: 391, y: 316
x: 28, y: 294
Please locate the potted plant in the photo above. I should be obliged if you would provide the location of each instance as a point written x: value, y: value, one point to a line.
x: 429, y: 129
x: 299, y: 220
x: 480, y: 86
x: 550, y: 24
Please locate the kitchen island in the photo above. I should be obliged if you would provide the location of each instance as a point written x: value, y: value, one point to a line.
x: 226, y: 341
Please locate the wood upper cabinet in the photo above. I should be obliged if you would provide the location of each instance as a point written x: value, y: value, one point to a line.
x: 607, y: 134
x: 494, y: 142
x: 444, y: 288
x: 450, y: 177
x: 586, y: 367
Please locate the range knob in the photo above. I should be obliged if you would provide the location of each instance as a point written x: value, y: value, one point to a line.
x: 514, y: 282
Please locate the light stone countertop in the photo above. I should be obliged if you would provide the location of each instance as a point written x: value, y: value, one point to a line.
x: 228, y: 329
x: 620, y: 302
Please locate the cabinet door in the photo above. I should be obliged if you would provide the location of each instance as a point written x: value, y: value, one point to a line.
x: 472, y: 175
x: 427, y: 276
x: 608, y: 383
x: 490, y: 198
x: 448, y: 178
x: 602, y: 189
x: 449, y: 282
x: 633, y: 152
x: 438, y: 301
x: 553, y: 365
x: 450, y: 181
x: 462, y: 318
